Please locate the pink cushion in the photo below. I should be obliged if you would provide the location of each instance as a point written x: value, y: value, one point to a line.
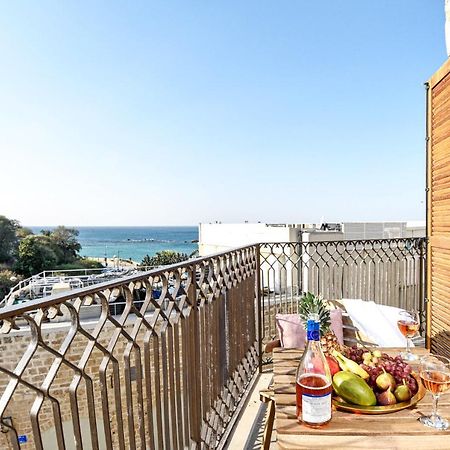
x: 292, y: 333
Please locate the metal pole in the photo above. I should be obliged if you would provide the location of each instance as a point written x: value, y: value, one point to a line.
x: 427, y: 300
x: 422, y: 270
x: 259, y: 306
x: 300, y: 261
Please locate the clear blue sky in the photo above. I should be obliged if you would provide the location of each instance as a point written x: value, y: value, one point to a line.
x: 179, y: 112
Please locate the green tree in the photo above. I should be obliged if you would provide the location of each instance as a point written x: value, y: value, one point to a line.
x: 65, y: 241
x: 164, y: 258
x: 8, y: 239
x: 22, y: 232
x: 36, y: 253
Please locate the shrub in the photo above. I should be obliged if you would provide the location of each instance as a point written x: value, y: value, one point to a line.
x: 82, y: 263
x: 8, y: 279
x: 164, y: 258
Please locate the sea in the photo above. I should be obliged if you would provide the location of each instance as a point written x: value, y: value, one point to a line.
x: 133, y: 242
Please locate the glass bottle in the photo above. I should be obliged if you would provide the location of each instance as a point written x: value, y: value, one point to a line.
x: 313, y: 380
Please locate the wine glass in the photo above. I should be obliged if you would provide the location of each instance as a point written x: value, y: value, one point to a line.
x: 435, y: 376
x: 408, y: 324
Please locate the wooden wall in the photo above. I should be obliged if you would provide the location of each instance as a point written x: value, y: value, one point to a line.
x: 438, y: 211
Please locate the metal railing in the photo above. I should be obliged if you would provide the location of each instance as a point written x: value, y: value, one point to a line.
x: 387, y: 271
x: 168, y: 373
x: 168, y: 365
x: 40, y: 284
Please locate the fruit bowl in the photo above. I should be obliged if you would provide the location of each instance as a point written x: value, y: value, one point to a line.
x: 356, y: 409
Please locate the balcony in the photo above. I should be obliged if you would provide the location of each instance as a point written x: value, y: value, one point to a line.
x: 93, y: 369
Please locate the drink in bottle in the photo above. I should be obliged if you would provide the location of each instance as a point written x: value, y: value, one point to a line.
x: 313, y: 380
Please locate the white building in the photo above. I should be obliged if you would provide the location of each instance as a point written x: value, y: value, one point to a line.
x: 217, y: 237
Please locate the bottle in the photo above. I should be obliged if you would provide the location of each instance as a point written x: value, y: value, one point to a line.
x: 313, y: 380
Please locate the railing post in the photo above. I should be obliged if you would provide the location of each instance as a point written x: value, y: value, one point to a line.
x: 259, y: 306
x: 194, y: 369
x: 300, y: 263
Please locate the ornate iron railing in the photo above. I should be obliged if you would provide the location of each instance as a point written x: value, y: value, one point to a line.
x: 167, y: 359
x: 387, y: 271
x: 167, y: 373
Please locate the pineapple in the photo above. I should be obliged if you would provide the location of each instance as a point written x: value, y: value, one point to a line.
x: 311, y: 304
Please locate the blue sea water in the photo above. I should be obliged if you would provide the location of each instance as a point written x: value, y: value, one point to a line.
x: 133, y: 242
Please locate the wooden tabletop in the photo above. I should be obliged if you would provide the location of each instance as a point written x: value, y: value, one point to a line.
x: 399, y: 430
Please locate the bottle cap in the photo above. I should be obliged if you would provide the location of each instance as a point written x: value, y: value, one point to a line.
x: 313, y: 328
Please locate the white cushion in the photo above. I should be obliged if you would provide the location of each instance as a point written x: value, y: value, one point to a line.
x: 377, y: 322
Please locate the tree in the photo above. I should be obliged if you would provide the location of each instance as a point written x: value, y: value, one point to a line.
x: 22, y: 232
x: 66, y: 245
x: 164, y: 258
x: 36, y: 253
x: 8, y: 239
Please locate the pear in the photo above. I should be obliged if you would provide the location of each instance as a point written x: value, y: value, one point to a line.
x: 402, y: 393
x: 386, y: 398
x: 385, y: 381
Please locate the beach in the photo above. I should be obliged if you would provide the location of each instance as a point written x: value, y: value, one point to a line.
x: 115, y: 262
x: 132, y: 243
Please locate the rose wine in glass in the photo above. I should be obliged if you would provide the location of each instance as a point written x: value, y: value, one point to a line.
x: 435, y: 376
x: 408, y: 324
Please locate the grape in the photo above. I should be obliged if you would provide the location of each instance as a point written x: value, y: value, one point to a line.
x: 375, y: 366
x: 413, y: 385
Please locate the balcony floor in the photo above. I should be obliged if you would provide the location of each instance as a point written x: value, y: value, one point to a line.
x: 248, y: 430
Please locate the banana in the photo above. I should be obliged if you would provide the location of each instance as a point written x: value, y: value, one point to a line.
x: 350, y: 366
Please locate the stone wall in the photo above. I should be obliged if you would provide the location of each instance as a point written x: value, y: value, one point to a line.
x: 14, y: 345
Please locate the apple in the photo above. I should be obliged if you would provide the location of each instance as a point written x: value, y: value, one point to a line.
x: 333, y: 365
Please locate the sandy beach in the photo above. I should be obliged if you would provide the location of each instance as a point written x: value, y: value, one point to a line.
x: 115, y: 262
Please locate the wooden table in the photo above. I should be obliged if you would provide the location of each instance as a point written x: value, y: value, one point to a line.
x: 399, y: 430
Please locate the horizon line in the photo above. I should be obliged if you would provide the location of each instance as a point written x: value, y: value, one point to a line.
x: 111, y: 226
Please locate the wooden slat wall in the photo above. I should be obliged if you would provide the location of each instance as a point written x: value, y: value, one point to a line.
x: 438, y: 211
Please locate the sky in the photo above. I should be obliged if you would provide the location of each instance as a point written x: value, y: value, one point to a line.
x: 178, y: 112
